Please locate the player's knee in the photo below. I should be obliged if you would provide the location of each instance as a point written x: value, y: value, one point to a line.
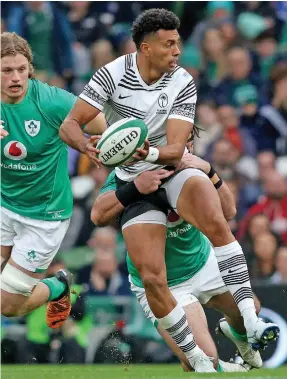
x: 8, y: 307
x: 154, y: 281
x: 14, y: 281
x: 217, y: 230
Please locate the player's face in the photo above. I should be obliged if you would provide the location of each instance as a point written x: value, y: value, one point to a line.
x: 164, y: 50
x: 14, y: 78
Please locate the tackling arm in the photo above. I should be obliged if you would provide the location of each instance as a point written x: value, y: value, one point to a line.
x: 111, y: 203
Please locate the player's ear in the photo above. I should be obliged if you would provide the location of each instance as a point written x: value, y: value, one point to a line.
x: 145, y: 49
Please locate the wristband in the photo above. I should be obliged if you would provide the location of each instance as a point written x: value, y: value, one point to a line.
x: 128, y: 194
x: 211, y: 172
x: 153, y: 155
x: 213, y: 176
x: 218, y: 184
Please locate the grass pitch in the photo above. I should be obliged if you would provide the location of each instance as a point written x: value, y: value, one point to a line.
x: 125, y: 372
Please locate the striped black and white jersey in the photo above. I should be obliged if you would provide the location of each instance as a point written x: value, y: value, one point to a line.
x: 118, y: 90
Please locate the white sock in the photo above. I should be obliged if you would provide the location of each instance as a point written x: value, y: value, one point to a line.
x: 234, y: 272
x: 176, y: 325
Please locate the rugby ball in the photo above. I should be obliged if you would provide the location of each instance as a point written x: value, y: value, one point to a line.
x: 120, y: 141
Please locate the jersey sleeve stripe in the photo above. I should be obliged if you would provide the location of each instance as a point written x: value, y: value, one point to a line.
x: 183, y: 99
x: 190, y: 86
x: 103, y: 80
x: 110, y: 79
x: 99, y: 80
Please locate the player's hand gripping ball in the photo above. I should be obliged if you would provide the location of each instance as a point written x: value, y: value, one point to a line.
x: 121, y: 140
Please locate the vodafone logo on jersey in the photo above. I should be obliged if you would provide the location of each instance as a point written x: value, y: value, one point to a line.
x: 15, y: 150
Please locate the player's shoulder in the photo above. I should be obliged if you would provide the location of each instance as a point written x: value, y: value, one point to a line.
x: 44, y: 89
x: 119, y: 66
x: 44, y: 92
x: 180, y: 74
x: 54, y: 102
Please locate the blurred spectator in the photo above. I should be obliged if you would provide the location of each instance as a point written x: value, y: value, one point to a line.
x: 250, y: 118
x: 275, y: 114
x: 273, y: 204
x: 239, y: 78
x: 48, y: 32
x: 214, y: 64
x: 266, y: 47
x: 103, y: 277
x: 102, y: 53
x: 265, y: 249
x: 224, y: 158
x: 85, y: 23
x: 217, y: 11
x: 190, y: 60
x: 126, y: 46
x: 257, y: 224
x: 266, y: 164
x: 214, y: 58
x: 280, y: 276
x: 207, y: 120
x: 241, y: 139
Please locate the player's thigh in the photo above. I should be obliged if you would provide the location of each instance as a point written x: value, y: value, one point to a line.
x: 37, y: 242
x: 144, y: 230
x: 192, y: 195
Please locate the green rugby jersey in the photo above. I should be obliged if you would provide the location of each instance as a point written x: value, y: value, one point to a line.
x: 34, y: 160
x: 186, y: 250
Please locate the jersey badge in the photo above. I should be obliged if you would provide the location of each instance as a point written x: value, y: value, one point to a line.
x: 163, y: 100
x: 32, y: 127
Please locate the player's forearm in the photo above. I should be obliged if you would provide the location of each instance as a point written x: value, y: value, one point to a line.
x: 170, y: 154
x: 226, y: 197
x: 71, y: 133
x: 106, y: 208
x: 227, y: 202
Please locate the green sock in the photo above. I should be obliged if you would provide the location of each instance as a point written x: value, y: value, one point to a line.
x: 56, y: 287
x: 241, y: 337
x: 219, y: 368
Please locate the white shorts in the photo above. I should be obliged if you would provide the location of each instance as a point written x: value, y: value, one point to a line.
x: 172, y: 187
x: 201, y: 287
x: 34, y: 242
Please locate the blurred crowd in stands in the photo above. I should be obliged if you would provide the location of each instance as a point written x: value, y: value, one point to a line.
x: 237, y: 54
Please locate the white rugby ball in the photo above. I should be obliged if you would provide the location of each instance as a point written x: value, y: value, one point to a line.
x: 120, y: 141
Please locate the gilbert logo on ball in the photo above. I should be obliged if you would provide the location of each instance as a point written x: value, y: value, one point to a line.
x: 120, y: 141
x: 15, y: 150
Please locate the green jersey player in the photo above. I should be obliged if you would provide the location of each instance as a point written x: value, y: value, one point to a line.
x: 35, y: 188
x: 192, y: 271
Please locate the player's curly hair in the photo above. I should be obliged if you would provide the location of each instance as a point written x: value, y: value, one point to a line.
x: 152, y: 20
x: 12, y: 44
